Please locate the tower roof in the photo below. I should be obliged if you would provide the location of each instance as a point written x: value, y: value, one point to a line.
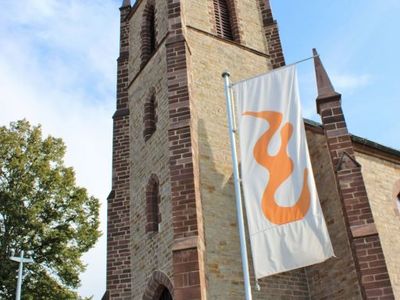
x: 126, y: 3
x: 325, y: 87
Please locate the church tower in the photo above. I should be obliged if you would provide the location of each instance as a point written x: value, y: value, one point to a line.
x: 172, y: 231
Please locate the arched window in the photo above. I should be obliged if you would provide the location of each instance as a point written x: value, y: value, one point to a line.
x: 396, y: 197
x: 150, y: 117
x: 153, y: 216
x: 398, y: 203
x: 148, y: 32
x: 224, y: 19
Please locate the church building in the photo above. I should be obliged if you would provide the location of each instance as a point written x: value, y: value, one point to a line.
x: 172, y: 227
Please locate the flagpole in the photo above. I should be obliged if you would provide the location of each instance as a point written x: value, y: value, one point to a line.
x: 239, y: 208
x: 21, y: 261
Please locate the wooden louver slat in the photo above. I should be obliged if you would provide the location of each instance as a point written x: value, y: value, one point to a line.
x: 152, y: 29
x: 222, y: 19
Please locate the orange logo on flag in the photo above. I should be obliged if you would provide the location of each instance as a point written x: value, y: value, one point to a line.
x: 280, y: 167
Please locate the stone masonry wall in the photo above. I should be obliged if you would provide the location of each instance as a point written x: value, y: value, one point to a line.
x: 118, y: 202
x: 153, y: 250
x: 335, y: 278
x: 380, y: 176
x: 209, y: 57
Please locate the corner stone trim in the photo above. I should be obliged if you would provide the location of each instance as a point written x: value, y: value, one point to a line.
x: 346, y: 162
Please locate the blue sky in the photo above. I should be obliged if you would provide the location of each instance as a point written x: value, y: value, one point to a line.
x: 58, y: 66
x: 359, y: 45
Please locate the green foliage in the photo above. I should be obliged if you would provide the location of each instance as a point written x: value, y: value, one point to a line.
x: 44, y: 213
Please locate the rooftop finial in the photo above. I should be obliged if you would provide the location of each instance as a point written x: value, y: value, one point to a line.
x: 325, y: 87
x: 126, y: 3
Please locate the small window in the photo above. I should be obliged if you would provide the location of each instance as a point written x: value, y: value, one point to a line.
x: 398, y: 202
x: 396, y: 197
x: 223, y: 20
x: 148, y: 33
x: 150, y: 117
x: 152, y: 30
x: 153, y: 216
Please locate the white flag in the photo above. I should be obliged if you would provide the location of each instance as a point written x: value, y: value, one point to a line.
x: 286, y: 225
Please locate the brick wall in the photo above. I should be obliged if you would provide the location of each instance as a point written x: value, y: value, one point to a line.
x: 271, y: 32
x: 374, y: 275
x: 118, y: 206
x: 337, y: 277
x: 186, y: 206
x: 355, y: 202
x: 380, y: 176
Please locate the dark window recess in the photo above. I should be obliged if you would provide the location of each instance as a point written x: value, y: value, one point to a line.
x: 148, y: 34
x: 152, y: 30
x: 153, y: 216
x: 223, y: 19
x: 165, y: 295
x: 150, y: 117
x: 398, y: 202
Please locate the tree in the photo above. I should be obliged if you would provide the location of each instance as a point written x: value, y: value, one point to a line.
x: 44, y: 213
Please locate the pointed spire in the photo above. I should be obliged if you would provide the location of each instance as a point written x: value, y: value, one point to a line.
x: 126, y: 3
x: 325, y: 87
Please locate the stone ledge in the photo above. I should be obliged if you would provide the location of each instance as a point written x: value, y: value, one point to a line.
x: 179, y: 125
x: 233, y: 43
x: 185, y: 243
x: 363, y: 230
x: 121, y: 113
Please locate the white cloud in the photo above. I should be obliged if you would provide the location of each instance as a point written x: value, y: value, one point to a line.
x: 350, y: 82
x: 57, y: 68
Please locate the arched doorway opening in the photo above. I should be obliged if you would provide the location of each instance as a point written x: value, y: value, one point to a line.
x: 165, y: 294
x: 159, y: 287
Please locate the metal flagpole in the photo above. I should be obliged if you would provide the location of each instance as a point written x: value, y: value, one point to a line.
x: 19, y: 283
x: 239, y: 208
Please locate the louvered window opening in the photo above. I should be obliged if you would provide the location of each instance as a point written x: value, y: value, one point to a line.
x: 152, y: 30
x: 148, y: 34
x: 222, y: 19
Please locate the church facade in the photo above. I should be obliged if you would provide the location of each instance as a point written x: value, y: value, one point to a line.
x: 172, y: 229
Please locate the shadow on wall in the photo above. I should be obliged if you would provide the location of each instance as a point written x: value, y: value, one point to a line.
x: 223, y: 259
